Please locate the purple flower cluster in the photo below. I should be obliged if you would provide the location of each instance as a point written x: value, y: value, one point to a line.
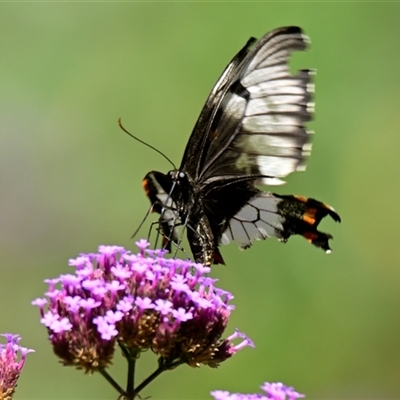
x: 12, y: 360
x: 140, y: 301
x: 273, y: 391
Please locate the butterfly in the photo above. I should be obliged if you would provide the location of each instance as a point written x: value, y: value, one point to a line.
x: 250, y: 132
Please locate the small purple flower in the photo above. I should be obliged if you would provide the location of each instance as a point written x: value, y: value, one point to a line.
x: 121, y: 272
x: 62, y: 325
x: 278, y: 391
x: 142, y: 245
x: 163, y: 306
x: 144, y: 303
x: 12, y: 360
x: 49, y: 318
x: 73, y: 303
x: 114, y: 286
x: 125, y: 304
x: 89, y: 303
x: 113, y: 316
x: 245, y: 342
x: 274, y: 391
x: 79, y: 262
x: 107, y: 330
x: 181, y: 315
x: 40, y: 303
x: 140, y: 301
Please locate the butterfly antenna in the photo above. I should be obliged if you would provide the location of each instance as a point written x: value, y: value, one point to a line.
x: 146, y: 144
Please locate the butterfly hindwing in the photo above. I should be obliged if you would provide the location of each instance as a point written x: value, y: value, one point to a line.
x: 271, y: 215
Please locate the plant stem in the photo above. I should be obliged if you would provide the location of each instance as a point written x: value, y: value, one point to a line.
x: 131, y: 355
x: 113, y: 383
x: 162, y: 367
x: 131, y: 377
x: 124, y: 350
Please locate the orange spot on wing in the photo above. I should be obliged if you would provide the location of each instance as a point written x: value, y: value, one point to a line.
x: 145, y: 184
x: 309, y: 216
x: 310, y: 236
x: 301, y: 198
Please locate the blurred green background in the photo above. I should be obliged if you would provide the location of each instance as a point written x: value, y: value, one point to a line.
x: 71, y: 180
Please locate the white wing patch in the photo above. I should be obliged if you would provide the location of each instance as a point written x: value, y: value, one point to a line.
x: 277, y: 87
x: 264, y: 105
x: 258, y: 219
x: 276, y: 166
x: 261, y: 130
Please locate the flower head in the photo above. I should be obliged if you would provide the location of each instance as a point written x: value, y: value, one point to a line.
x: 273, y: 391
x: 140, y: 301
x: 12, y: 359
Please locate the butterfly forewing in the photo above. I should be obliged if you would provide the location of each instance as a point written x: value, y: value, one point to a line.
x: 258, y: 128
x: 199, y: 141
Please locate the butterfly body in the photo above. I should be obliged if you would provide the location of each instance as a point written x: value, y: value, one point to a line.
x: 250, y: 132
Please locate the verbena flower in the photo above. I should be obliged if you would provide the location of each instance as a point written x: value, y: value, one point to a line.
x: 12, y: 360
x: 273, y: 391
x: 140, y: 301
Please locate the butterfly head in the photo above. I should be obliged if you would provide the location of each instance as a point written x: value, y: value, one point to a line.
x: 178, y: 177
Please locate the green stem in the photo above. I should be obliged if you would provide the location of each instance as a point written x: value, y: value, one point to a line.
x: 113, y: 383
x: 131, y: 378
x: 124, y: 350
x: 162, y: 367
x: 131, y: 355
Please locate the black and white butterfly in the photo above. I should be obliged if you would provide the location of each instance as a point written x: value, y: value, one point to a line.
x: 250, y: 132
